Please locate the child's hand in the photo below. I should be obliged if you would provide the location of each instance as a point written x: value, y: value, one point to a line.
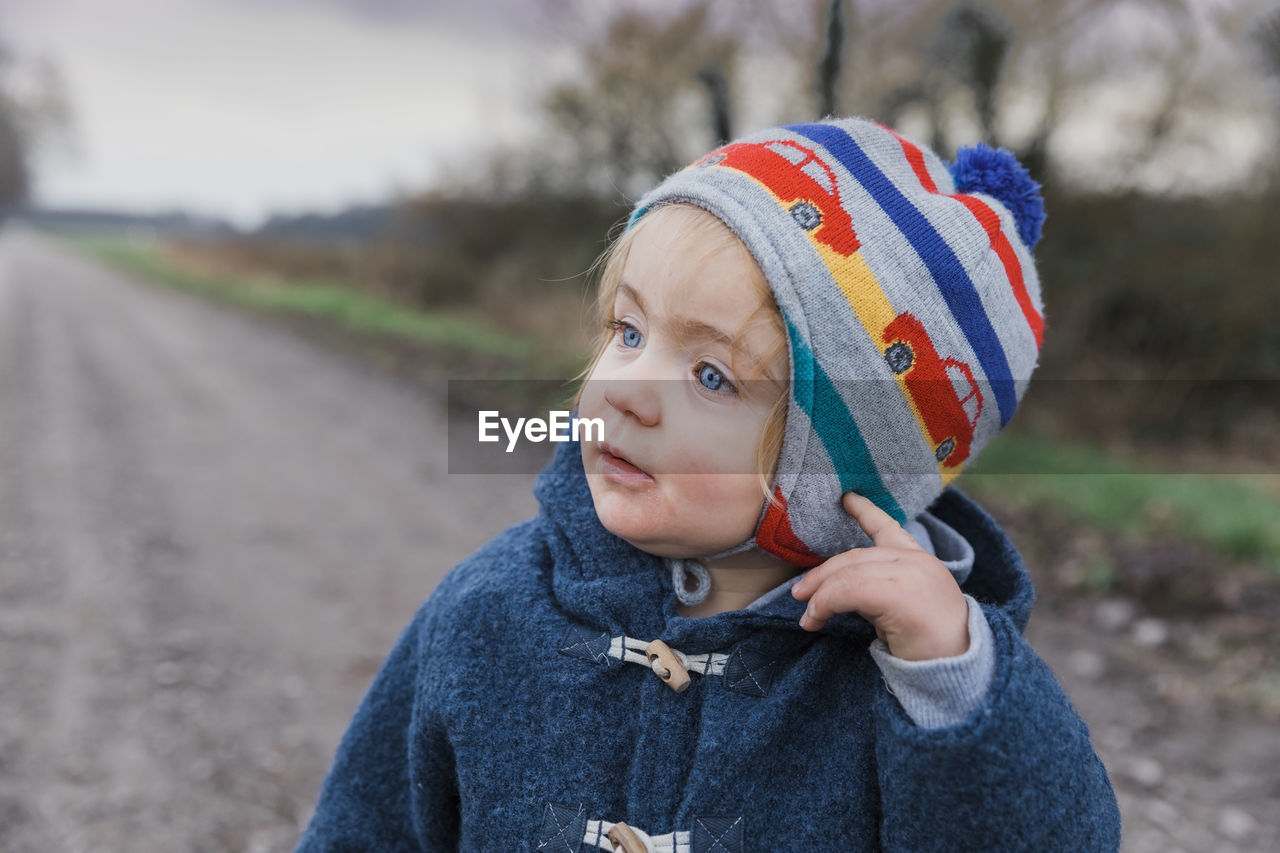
x: 907, y: 593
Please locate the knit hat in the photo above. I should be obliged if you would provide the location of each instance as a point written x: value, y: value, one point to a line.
x: 911, y: 303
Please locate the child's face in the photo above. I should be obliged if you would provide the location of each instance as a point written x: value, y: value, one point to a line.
x: 686, y: 410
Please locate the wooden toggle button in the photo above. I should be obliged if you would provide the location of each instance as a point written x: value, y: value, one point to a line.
x: 667, y: 666
x: 624, y: 839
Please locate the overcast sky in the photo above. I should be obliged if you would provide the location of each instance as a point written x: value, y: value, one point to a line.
x: 242, y: 108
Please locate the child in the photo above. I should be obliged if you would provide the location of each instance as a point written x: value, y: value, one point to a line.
x: 809, y: 333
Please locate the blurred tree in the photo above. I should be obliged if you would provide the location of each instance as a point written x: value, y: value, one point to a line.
x: 1011, y: 72
x: 831, y: 59
x: 971, y: 47
x: 965, y: 54
x: 713, y: 77
x: 1149, y: 75
x: 33, y: 111
x: 1266, y: 36
x: 14, y: 180
x: 620, y: 123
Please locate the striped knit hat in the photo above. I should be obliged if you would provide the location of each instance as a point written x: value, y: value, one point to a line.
x: 911, y: 303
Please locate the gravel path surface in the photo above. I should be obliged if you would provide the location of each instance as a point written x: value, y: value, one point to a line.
x: 211, y: 532
x: 213, y: 529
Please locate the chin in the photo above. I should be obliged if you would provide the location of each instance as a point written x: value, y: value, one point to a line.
x: 629, y: 524
x: 632, y: 524
x: 638, y: 530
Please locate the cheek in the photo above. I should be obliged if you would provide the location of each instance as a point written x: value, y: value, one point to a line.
x: 591, y: 400
x: 718, y: 445
x: 723, y: 494
x: 721, y: 507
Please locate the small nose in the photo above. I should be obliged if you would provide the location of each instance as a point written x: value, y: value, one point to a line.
x: 635, y: 387
x: 638, y: 397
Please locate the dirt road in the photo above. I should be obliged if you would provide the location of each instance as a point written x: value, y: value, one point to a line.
x: 212, y: 530
x: 211, y: 533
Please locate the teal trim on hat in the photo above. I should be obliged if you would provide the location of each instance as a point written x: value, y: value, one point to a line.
x: 837, y: 430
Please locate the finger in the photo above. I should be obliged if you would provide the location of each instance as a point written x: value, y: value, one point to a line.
x: 883, y: 528
x: 811, y: 579
x: 867, y: 591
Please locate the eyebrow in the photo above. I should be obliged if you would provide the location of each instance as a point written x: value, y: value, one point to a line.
x: 689, y: 330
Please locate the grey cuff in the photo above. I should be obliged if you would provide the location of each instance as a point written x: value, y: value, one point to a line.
x: 942, y: 691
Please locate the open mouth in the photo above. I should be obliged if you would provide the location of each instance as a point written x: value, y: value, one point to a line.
x: 613, y: 462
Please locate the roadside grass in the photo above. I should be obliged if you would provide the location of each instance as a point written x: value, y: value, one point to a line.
x: 1236, y: 516
x: 327, y: 300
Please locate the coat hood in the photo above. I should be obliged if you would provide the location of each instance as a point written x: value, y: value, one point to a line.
x: 602, y: 580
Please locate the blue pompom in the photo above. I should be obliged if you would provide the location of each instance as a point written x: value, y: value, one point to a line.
x: 997, y: 173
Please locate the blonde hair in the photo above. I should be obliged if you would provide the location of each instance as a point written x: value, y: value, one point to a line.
x: 708, y: 231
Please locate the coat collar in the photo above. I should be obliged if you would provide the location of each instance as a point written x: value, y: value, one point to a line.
x: 602, y: 580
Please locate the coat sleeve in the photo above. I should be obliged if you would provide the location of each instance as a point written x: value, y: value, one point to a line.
x: 1019, y: 773
x: 392, y: 785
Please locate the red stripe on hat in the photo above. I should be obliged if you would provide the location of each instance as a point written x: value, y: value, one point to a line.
x: 991, y: 223
x: 776, y: 536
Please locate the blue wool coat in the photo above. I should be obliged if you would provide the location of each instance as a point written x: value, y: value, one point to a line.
x: 510, y: 717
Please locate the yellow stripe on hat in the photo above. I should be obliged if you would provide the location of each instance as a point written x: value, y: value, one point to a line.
x: 871, y: 306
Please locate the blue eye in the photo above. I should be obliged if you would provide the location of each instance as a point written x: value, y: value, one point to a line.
x: 631, y: 337
x: 713, y: 379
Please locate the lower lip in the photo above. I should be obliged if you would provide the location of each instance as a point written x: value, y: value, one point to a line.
x: 621, y: 471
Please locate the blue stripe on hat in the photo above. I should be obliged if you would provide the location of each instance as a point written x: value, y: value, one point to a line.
x: 836, y: 428
x: 947, y: 271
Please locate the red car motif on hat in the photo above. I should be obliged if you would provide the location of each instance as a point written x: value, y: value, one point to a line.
x: 949, y: 418
x: 804, y: 185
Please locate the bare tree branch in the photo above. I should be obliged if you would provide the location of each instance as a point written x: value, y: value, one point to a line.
x: 713, y: 77
x: 831, y: 59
